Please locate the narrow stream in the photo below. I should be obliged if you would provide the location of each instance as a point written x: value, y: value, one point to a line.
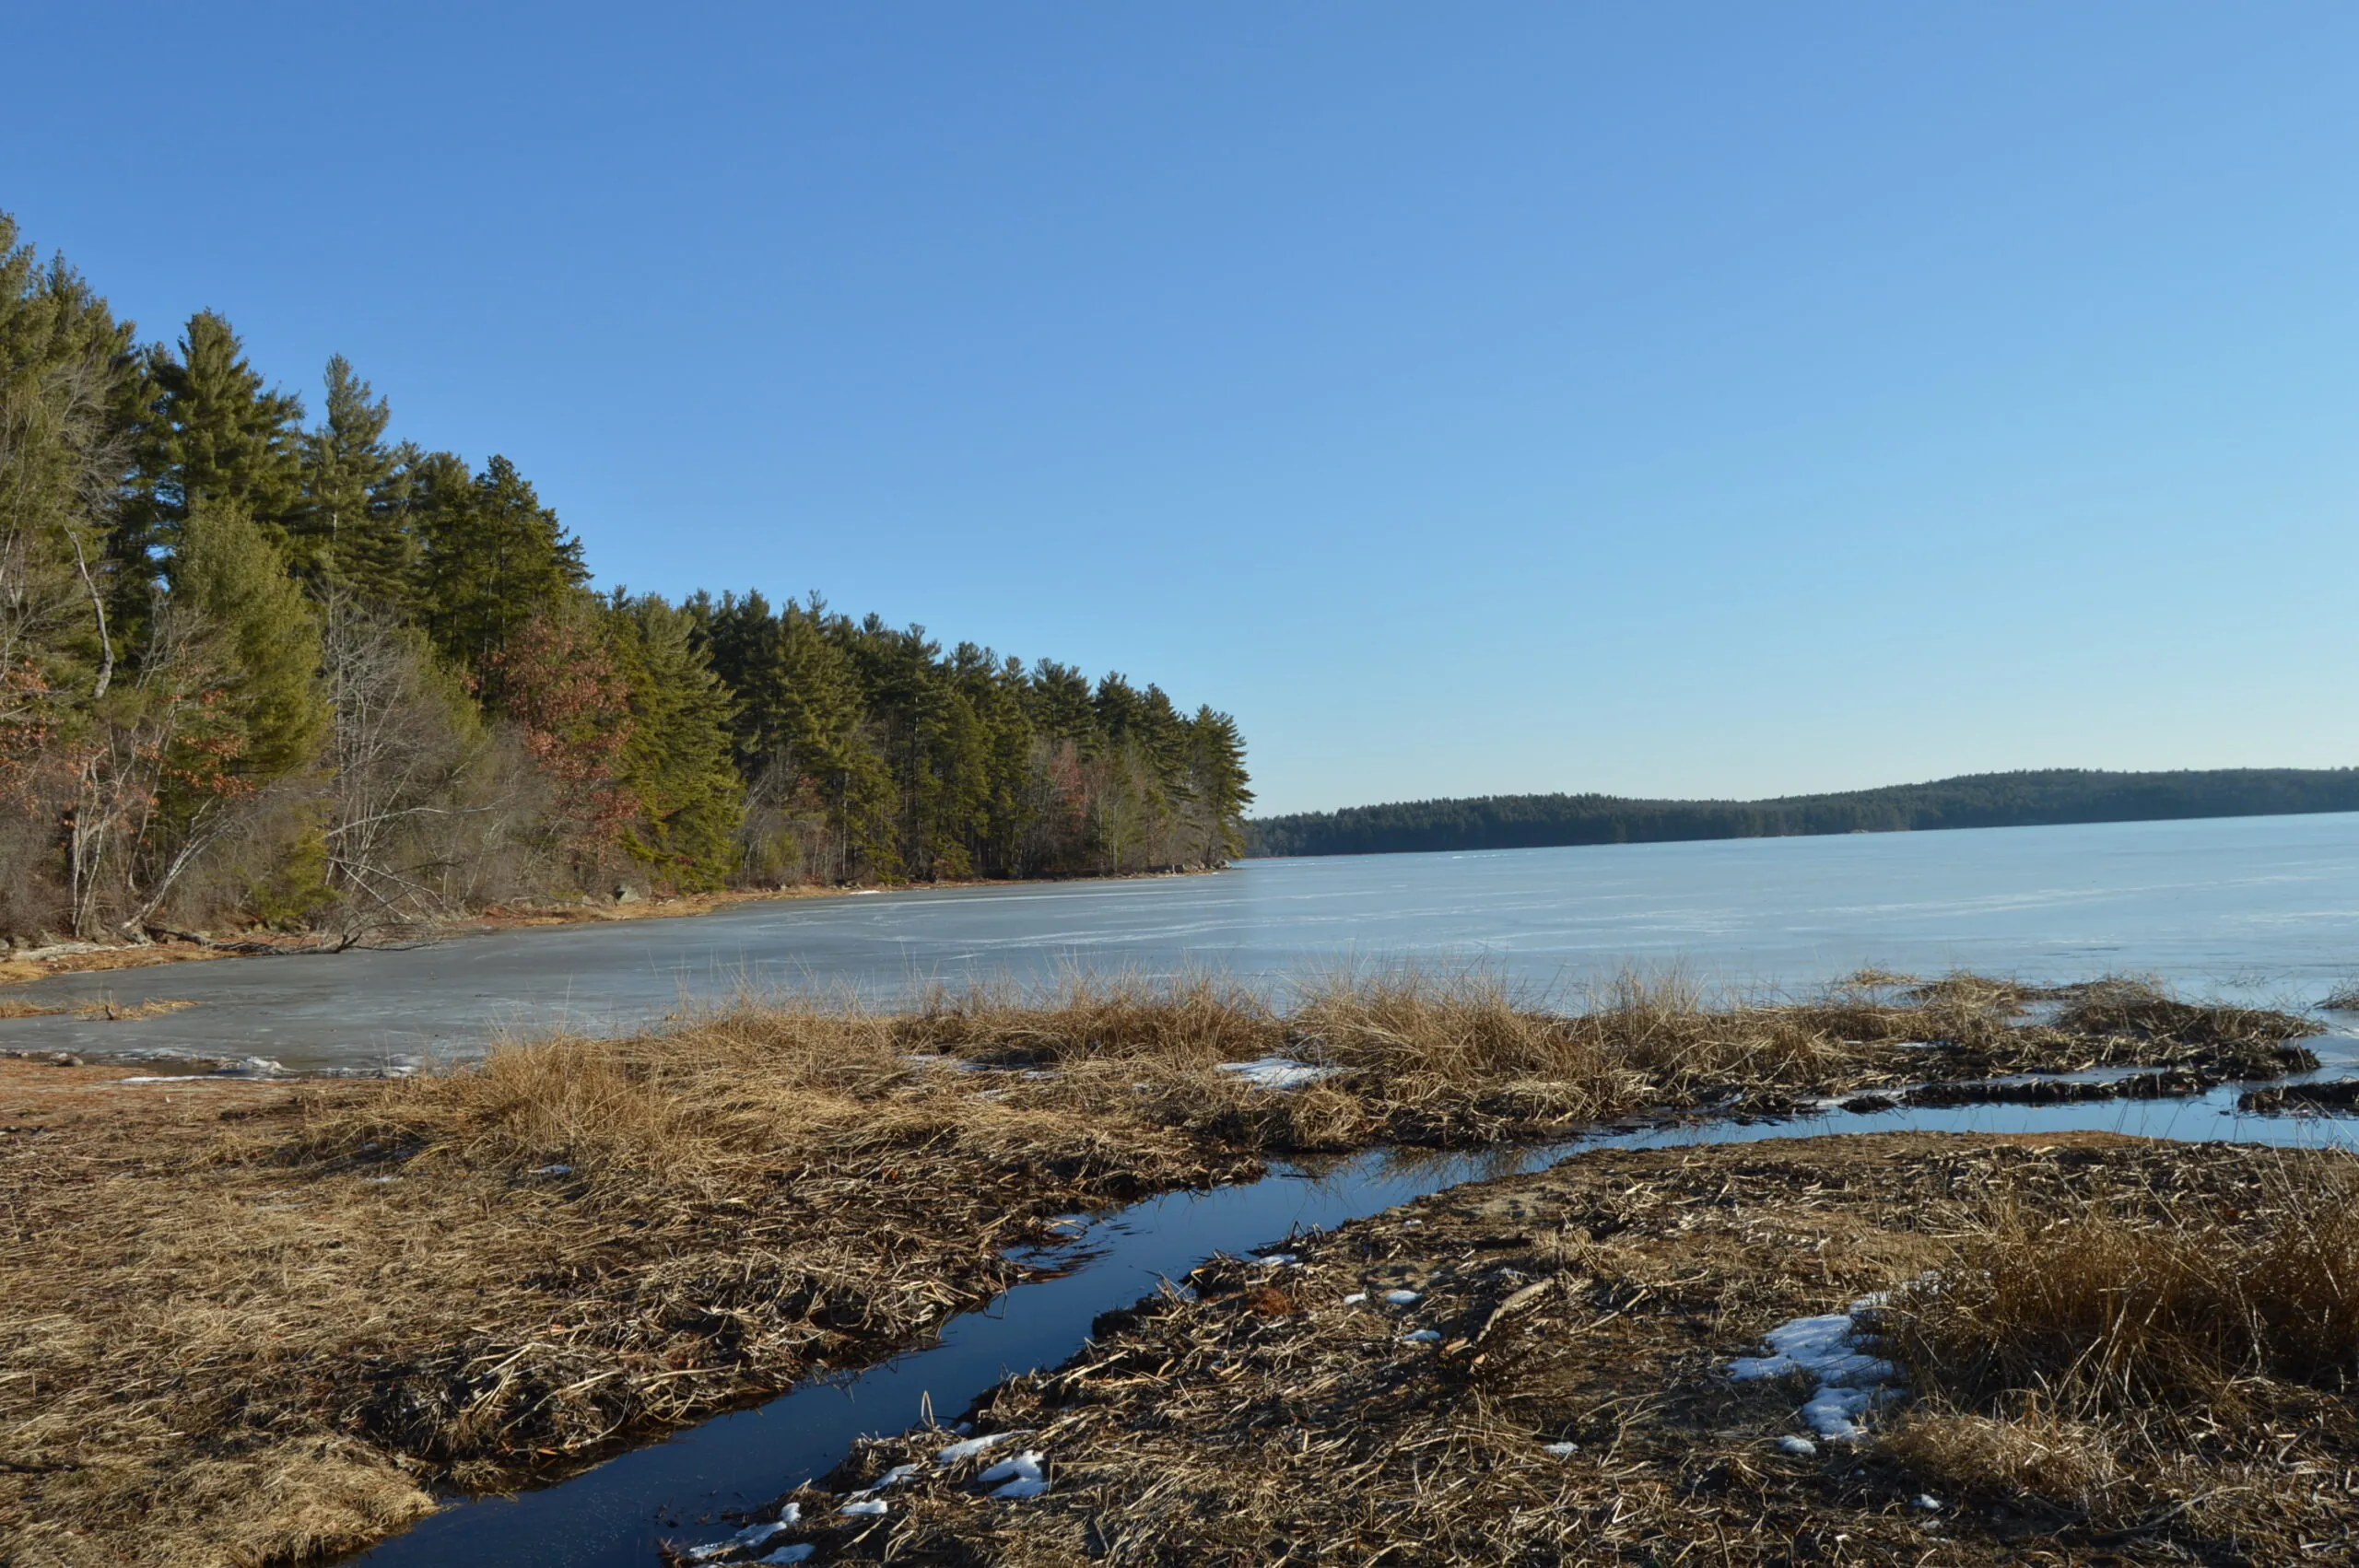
x: 612, y: 1515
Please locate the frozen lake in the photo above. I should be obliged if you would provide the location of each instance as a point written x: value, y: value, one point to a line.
x: 2265, y: 907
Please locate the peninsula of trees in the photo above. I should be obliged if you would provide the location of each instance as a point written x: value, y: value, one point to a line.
x: 255, y: 667
x: 1982, y: 800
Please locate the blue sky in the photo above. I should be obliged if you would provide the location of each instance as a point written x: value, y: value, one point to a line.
x: 1666, y: 399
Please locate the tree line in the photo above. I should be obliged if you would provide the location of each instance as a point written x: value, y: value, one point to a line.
x: 258, y: 668
x: 1983, y: 800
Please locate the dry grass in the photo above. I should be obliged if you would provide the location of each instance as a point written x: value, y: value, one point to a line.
x: 252, y: 1323
x: 108, y: 1010
x: 1266, y: 1417
x: 2131, y: 1303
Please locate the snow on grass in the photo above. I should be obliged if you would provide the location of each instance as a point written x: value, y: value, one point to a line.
x: 1560, y: 1450
x: 1421, y: 1337
x: 1018, y: 1478
x: 1802, y: 1445
x: 896, y: 1476
x: 1356, y: 1298
x: 1278, y: 1072
x: 799, y: 1553
x: 1851, y: 1380
x: 959, y: 1452
x: 1279, y: 1257
x: 866, y: 1507
x: 1401, y: 1298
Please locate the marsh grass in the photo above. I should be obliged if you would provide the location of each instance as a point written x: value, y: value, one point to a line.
x: 255, y: 1330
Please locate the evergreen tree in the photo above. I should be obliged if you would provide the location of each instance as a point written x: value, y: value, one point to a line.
x: 351, y: 523
x: 257, y: 639
x: 212, y: 431
x: 494, y: 559
x: 678, y: 762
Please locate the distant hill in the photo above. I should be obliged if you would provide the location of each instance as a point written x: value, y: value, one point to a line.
x: 1980, y: 800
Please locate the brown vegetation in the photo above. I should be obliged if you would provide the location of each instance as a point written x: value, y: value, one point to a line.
x: 1573, y: 1403
x: 251, y: 1323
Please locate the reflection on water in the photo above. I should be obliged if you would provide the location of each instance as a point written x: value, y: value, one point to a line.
x: 2265, y: 907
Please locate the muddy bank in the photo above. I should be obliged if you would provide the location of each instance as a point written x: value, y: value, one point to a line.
x: 1627, y: 1359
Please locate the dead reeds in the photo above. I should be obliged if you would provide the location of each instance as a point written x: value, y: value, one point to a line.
x: 260, y: 1327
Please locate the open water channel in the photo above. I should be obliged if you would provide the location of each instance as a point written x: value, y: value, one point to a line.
x: 2265, y: 908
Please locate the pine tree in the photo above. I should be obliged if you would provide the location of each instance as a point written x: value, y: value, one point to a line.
x: 256, y: 637
x: 351, y: 525
x: 678, y: 763
x: 494, y: 560
x: 212, y: 431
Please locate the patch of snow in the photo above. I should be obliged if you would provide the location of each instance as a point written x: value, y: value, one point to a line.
x: 1561, y: 1450
x: 799, y: 1552
x: 554, y: 1171
x: 1278, y: 1257
x: 1024, y: 1467
x: 866, y: 1508
x: 1278, y: 1072
x: 747, y: 1540
x: 896, y: 1476
x: 1421, y: 1337
x: 1851, y: 1380
x: 1413, y: 1224
x: 1356, y: 1298
x: 1402, y: 1298
x: 1020, y: 1489
x: 1929, y: 1502
x: 958, y: 1452
x: 1793, y: 1445
x: 184, y: 1077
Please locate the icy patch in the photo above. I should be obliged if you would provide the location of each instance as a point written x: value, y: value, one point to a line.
x: 866, y: 1508
x: 1929, y: 1502
x: 797, y: 1553
x: 896, y: 1476
x: 554, y: 1171
x: 753, y: 1538
x: 1018, y: 1478
x: 959, y: 1452
x: 1402, y: 1298
x: 1273, y: 1257
x: 1851, y: 1381
x: 1802, y: 1445
x: 1278, y: 1072
x: 1421, y: 1337
x: 1356, y: 1298
x: 1024, y: 1467
x: 1561, y: 1450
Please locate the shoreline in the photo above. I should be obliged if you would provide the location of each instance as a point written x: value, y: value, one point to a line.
x: 25, y: 966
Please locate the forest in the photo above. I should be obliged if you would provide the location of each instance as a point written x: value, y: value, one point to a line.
x: 1983, y: 800
x: 261, y: 669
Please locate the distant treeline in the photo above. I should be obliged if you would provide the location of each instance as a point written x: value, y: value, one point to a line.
x: 1982, y: 800
x: 254, y: 667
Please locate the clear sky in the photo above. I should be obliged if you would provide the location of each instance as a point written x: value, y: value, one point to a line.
x: 1663, y: 398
